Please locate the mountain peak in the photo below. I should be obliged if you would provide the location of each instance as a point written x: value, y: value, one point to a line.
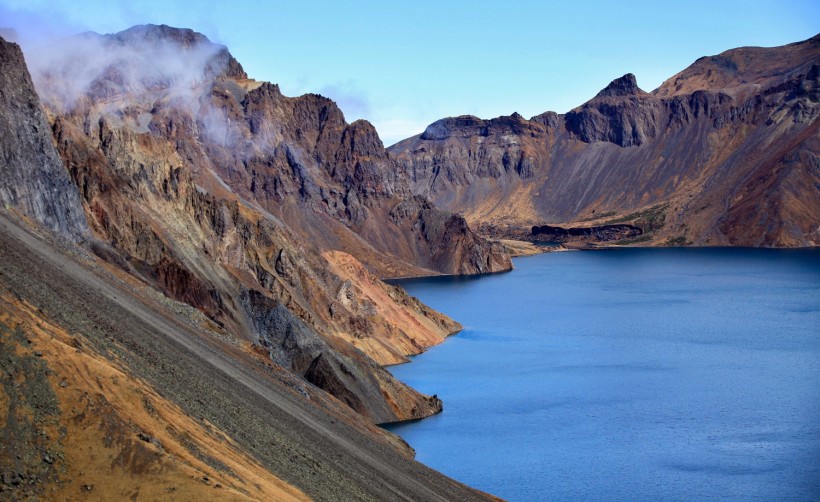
x: 624, y: 86
x: 161, y: 32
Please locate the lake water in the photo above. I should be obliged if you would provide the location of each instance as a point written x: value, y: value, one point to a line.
x: 631, y: 374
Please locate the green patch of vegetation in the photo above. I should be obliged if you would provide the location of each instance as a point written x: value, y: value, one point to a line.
x: 648, y: 220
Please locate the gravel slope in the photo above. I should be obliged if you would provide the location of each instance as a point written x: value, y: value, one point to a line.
x: 302, y: 437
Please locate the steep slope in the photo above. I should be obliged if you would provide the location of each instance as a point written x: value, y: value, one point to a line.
x: 223, y: 194
x: 112, y: 391
x: 32, y: 178
x: 724, y: 153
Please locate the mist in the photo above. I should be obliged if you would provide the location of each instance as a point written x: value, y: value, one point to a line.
x: 106, y: 68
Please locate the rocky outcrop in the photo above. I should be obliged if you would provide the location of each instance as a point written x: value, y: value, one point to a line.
x: 621, y: 113
x: 727, y: 147
x: 355, y: 380
x: 445, y: 234
x: 603, y: 233
x: 32, y: 178
x: 413, y: 327
x: 467, y: 126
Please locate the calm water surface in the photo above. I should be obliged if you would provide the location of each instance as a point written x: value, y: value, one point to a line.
x: 634, y: 374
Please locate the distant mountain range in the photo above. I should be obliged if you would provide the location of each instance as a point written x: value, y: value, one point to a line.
x: 190, y: 283
x: 726, y: 152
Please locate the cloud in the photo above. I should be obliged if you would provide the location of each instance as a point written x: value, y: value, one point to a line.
x: 354, y: 102
x: 130, y: 63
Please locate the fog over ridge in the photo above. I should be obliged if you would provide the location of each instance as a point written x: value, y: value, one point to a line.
x: 138, y: 60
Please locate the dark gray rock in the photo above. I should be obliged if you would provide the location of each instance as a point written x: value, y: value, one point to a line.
x: 624, y: 86
x: 289, y: 341
x: 602, y: 233
x: 621, y: 113
x: 296, y: 346
x: 32, y: 177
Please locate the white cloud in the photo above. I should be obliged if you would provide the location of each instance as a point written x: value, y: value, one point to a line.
x: 353, y: 101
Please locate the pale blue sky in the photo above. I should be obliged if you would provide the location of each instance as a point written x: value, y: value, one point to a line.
x: 404, y: 65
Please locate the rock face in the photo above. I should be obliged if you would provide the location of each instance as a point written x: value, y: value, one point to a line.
x: 603, y: 233
x: 621, y: 113
x: 227, y: 195
x: 32, y: 178
x: 727, y: 152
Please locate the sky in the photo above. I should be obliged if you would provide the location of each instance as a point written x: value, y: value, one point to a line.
x: 404, y: 65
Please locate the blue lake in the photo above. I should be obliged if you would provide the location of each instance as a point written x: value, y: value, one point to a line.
x: 630, y: 374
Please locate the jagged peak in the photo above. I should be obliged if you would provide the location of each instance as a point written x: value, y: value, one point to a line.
x: 270, y: 88
x: 515, y: 122
x: 623, y: 86
x: 161, y: 32
x: 363, y: 124
x: 548, y: 119
x: 363, y: 139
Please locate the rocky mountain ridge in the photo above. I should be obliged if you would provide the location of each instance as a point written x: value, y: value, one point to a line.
x: 723, y: 153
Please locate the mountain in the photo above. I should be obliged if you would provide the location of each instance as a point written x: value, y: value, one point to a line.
x: 296, y: 159
x: 250, y: 205
x: 724, y: 153
x: 180, y: 314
